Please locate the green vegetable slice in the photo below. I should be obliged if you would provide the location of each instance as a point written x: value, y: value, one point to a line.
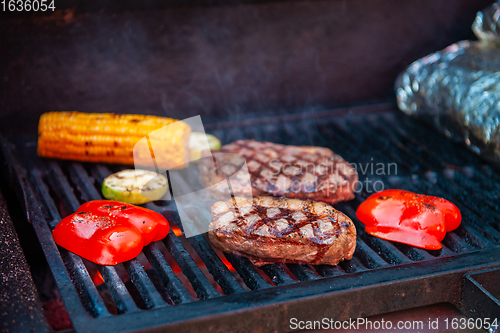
x: 198, y: 144
x: 135, y: 186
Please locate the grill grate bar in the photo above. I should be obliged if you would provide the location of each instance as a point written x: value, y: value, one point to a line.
x: 473, y: 184
x: 423, y: 166
x: 367, y: 256
x: 468, y: 198
x: 277, y: 274
x: 365, y: 149
x: 143, y: 283
x: 482, y: 230
x: 115, y: 285
x: 467, y: 177
x: 74, y: 263
x: 417, y: 254
x: 201, y: 285
x: 460, y: 176
x: 124, y: 302
x: 141, y: 280
x: 99, y: 172
x: 489, y: 213
x: 358, y: 140
x: 215, y: 266
x: 383, y: 248
x: 452, y: 153
x: 174, y: 286
x: 352, y: 266
x: 480, y: 241
x: 386, y: 249
x: 247, y: 271
x: 62, y: 187
x: 83, y: 182
x: 365, y: 253
x: 477, y: 226
x: 84, y: 285
x: 42, y: 190
x: 303, y: 272
x: 329, y: 271
x: 455, y: 242
x: 445, y: 251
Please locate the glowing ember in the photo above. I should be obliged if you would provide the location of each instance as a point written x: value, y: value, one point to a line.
x: 97, y: 278
x: 227, y: 263
x: 176, y: 230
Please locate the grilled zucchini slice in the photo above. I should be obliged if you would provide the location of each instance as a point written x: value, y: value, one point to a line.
x: 135, y: 186
x: 198, y: 144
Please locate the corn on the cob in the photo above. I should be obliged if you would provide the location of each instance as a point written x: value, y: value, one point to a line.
x: 111, y: 138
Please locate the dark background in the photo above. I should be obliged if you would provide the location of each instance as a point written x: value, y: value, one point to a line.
x: 220, y: 59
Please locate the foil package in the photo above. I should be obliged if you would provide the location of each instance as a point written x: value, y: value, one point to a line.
x: 458, y: 88
x: 486, y: 26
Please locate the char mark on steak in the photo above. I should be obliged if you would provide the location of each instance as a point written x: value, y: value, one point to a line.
x: 302, y: 172
x: 269, y: 230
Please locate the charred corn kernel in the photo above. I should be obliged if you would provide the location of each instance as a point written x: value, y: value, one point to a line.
x: 111, y: 138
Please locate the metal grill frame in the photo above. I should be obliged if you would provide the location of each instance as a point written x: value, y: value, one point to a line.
x: 392, y: 277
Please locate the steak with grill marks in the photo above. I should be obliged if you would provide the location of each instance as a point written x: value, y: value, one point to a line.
x: 302, y: 172
x: 270, y: 230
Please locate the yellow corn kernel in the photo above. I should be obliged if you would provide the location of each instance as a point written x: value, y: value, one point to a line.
x: 111, y: 138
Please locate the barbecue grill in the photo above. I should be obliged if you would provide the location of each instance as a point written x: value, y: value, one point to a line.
x: 392, y: 276
x: 183, y: 284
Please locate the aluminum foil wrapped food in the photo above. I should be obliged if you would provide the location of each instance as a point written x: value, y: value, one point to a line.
x: 458, y: 90
x: 487, y: 24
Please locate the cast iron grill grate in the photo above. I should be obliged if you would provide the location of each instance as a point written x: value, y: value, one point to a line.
x: 166, y: 285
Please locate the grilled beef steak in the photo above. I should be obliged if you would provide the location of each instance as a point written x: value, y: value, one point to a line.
x: 302, y: 172
x: 269, y: 230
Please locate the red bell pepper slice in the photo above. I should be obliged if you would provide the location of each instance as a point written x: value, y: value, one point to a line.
x: 151, y: 224
x: 409, y: 218
x: 109, y: 232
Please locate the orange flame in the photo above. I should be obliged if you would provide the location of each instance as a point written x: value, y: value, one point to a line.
x: 176, y: 230
x: 228, y: 264
x: 98, y: 279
